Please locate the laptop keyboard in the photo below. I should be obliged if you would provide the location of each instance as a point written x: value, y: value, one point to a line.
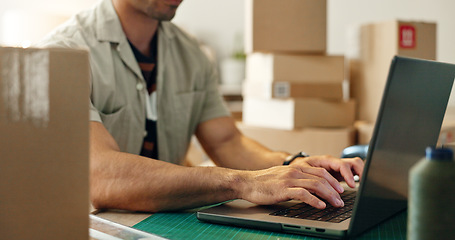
x: 329, y: 214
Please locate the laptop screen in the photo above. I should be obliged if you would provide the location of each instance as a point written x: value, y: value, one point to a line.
x: 412, y: 109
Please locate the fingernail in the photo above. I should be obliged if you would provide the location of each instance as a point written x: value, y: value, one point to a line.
x: 321, y: 204
x: 340, y: 203
x: 340, y: 189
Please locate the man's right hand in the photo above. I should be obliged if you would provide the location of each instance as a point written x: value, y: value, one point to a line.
x: 300, y: 181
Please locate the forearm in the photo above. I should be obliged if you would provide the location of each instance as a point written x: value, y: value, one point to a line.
x: 126, y: 181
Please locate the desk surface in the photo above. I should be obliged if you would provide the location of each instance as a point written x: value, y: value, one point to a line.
x: 184, y: 225
x: 123, y: 217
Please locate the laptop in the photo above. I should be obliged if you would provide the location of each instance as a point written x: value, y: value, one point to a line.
x: 410, y: 117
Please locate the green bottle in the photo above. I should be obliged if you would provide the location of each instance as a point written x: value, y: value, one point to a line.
x: 431, y: 204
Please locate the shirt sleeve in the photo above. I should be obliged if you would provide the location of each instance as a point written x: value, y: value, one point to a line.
x: 214, y: 105
x: 64, y: 42
x: 94, y: 113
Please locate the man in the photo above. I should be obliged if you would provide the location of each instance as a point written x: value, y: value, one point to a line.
x: 152, y: 89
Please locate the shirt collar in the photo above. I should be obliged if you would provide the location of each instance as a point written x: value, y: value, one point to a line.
x: 108, y: 27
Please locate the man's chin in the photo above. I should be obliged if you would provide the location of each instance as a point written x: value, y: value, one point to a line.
x: 165, y: 16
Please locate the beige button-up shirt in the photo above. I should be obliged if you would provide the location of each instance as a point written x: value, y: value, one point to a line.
x: 187, y: 83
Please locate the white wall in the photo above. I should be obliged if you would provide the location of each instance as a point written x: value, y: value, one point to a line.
x: 33, y: 19
x: 56, y: 6
x: 216, y: 22
x: 342, y: 14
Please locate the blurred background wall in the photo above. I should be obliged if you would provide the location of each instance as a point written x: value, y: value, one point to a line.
x: 220, y: 23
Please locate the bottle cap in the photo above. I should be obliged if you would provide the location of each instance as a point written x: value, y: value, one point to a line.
x: 441, y: 154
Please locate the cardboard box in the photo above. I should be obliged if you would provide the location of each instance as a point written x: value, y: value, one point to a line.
x: 295, y: 68
x: 448, y: 127
x: 286, y: 26
x: 298, y: 113
x: 314, y: 141
x: 257, y: 89
x: 379, y: 42
x: 44, y: 129
x: 447, y: 134
x: 364, y: 131
x: 235, y: 107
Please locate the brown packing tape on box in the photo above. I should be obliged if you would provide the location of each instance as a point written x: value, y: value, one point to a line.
x: 332, y: 91
x: 297, y: 113
x: 322, y: 113
x: 44, y: 102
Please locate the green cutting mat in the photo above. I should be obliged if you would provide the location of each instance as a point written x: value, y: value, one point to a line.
x: 185, y: 225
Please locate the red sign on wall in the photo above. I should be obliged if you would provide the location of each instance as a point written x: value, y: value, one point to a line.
x: 407, y: 36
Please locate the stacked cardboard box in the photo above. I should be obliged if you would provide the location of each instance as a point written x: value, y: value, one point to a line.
x: 285, y: 26
x: 315, y: 141
x: 379, y: 42
x: 44, y: 129
x: 278, y: 75
x: 365, y: 132
x: 291, y: 83
x: 369, y: 66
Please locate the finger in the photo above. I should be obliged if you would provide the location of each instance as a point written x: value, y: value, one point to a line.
x: 359, y: 164
x: 349, y: 167
x: 346, y: 172
x: 321, y: 188
x: 305, y: 196
x: 323, y: 173
x: 343, y: 166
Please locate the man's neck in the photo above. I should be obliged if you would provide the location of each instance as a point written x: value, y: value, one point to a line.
x: 138, y: 28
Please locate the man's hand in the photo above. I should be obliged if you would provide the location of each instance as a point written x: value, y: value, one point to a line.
x: 305, y: 180
x: 342, y: 169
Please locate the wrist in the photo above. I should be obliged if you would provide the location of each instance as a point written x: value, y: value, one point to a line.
x: 291, y: 158
x: 238, y: 183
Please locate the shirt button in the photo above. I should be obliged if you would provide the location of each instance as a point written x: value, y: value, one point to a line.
x: 139, y: 86
x: 145, y: 133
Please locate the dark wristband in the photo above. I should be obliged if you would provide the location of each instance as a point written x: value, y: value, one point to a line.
x: 293, y: 157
